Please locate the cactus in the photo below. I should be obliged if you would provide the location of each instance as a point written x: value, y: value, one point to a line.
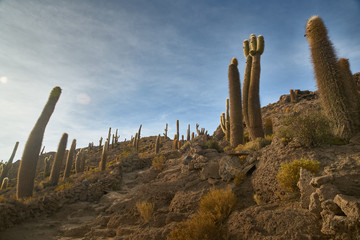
x: 5, y: 167
x: 225, y: 121
x: 177, y: 130
x: 157, y: 144
x: 47, y: 164
x: 113, y: 141
x: 102, y: 164
x: 236, y: 119
x: 293, y: 96
x: 116, y: 136
x: 192, y: 136
x: 166, y: 130
x: 27, y: 168
x: 246, y: 83
x: 175, y: 142
x: 5, y: 183
x: 82, y: 161
x: 188, y: 133
x: 109, y: 137
x: 139, y: 132
x: 78, y: 160
x: 100, y: 141
x: 69, y: 160
x: 59, y: 156
x: 332, y: 90
x: 252, y: 111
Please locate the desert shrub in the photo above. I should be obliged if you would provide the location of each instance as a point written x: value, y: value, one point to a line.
x: 246, y: 137
x: 65, y: 185
x: 158, y: 163
x: 289, y: 173
x: 239, y: 178
x: 207, y: 224
x: 213, y: 144
x: 268, y: 127
x: 217, y: 203
x: 255, y: 145
x: 310, y: 129
x: 146, y: 210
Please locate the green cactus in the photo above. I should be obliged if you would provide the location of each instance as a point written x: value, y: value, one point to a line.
x: 252, y: 111
x: 332, y: 90
x: 47, y: 164
x: 225, y: 121
x: 69, y: 160
x: 102, y: 164
x: 27, y: 169
x: 157, y: 144
x: 236, y: 119
x: 59, y: 156
x: 5, y: 183
x: 5, y: 167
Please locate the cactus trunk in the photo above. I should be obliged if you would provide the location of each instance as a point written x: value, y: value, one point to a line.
x: 6, y: 167
x: 27, y: 168
x: 157, y: 144
x: 56, y: 167
x: 246, y: 85
x: 69, y: 160
x: 102, y: 164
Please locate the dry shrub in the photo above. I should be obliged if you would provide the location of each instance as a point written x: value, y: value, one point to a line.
x: 239, y: 178
x: 64, y: 186
x: 289, y: 173
x: 158, y: 163
x: 255, y: 145
x: 213, y: 144
x: 207, y: 224
x: 146, y: 210
x: 258, y: 199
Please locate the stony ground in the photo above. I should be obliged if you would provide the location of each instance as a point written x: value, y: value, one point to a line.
x: 103, y: 205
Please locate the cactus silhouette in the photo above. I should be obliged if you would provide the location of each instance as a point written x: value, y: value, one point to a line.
x: 59, y: 156
x: 236, y: 117
x: 166, y: 130
x: 5, y: 167
x: 69, y: 160
x: 102, y: 164
x: 29, y: 159
x: 225, y: 121
x: 78, y: 161
x: 329, y: 80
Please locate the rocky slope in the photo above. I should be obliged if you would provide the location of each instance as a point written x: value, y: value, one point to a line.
x: 102, y: 205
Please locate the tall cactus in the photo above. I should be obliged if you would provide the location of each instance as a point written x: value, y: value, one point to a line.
x: 59, y: 156
x: 188, y: 133
x: 4, y: 183
x: 157, y: 144
x: 253, y: 48
x: 78, y: 160
x: 177, y: 130
x: 102, y: 164
x: 47, y: 164
x: 333, y: 93
x: 225, y: 121
x: 236, y: 119
x: 27, y: 169
x: 7, y: 166
x: 109, y: 137
x: 166, y: 130
x: 82, y: 162
x: 69, y: 160
x: 100, y: 141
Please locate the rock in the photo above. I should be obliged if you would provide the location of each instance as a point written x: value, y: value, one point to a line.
x: 186, y: 160
x: 228, y: 167
x: 349, y: 205
x: 185, y: 202
x: 315, y: 204
x: 333, y: 224
x: 327, y: 191
x: 305, y: 188
x: 75, y: 231
x: 211, y: 170
x: 331, y: 206
x: 175, y: 217
x: 355, y: 139
x: 318, y: 181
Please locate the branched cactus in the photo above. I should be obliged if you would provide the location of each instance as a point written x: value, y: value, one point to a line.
x: 5, y: 183
x: 331, y: 86
x: 47, y: 165
x: 236, y: 118
x: 166, y: 130
x: 225, y: 121
x: 253, y: 48
x: 157, y: 144
x: 102, y: 164
x: 69, y: 160
x: 27, y: 169
x: 59, y: 156
x: 5, y: 167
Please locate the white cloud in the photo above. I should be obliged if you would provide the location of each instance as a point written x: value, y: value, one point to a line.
x: 83, y: 98
x: 4, y: 80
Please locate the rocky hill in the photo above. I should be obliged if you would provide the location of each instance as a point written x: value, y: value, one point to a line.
x: 103, y: 205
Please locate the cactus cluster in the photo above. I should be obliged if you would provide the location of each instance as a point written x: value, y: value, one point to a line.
x: 5, y: 167
x: 339, y: 101
x: 29, y: 159
x: 200, y: 132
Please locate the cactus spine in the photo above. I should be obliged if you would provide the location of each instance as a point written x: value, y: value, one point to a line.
x: 225, y: 121
x: 59, y: 156
x: 5, y: 183
x: 236, y: 119
x: 329, y: 80
x: 157, y: 144
x: 7, y: 166
x: 102, y: 164
x: 69, y: 160
x: 27, y: 169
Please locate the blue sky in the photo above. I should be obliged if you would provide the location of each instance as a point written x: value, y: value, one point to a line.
x: 125, y: 63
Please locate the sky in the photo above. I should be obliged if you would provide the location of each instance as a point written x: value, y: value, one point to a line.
x: 151, y: 62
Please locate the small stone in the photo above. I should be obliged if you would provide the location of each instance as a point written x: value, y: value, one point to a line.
x: 211, y: 170
x: 327, y: 191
